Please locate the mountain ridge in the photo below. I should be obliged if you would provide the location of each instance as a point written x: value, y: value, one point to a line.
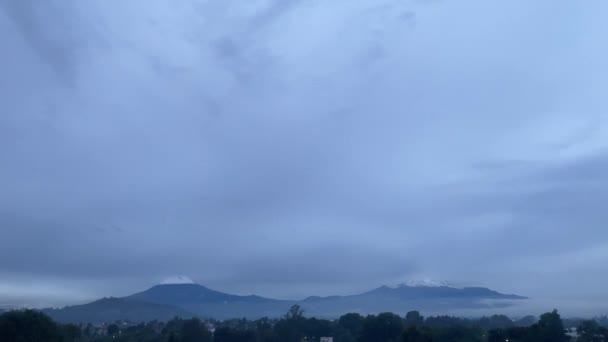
x: 164, y: 301
x: 116, y: 309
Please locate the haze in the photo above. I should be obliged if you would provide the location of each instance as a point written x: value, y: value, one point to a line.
x: 291, y: 148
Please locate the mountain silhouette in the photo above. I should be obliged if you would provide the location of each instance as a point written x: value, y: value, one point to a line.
x: 186, y: 300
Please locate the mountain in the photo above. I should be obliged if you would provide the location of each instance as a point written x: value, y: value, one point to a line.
x: 113, y: 309
x: 188, y: 294
x: 403, y: 298
x: 421, y: 295
x: 210, y: 303
x: 408, y: 292
x: 187, y: 299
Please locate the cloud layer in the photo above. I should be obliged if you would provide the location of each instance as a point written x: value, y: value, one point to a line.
x: 293, y: 148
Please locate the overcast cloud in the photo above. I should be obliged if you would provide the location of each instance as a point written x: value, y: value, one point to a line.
x: 302, y: 147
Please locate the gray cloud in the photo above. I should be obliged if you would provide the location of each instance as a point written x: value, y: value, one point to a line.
x: 291, y: 148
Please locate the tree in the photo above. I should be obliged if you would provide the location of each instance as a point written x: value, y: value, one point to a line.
x: 497, y: 335
x: 315, y: 328
x: 113, y: 330
x: 587, y: 329
x: 193, y: 330
x: 591, y: 331
x: 226, y: 334
x: 71, y: 332
x: 459, y: 333
x: 525, y: 321
x: 353, y: 322
x: 386, y: 327
x: 88, y: 330
x: 495, y: 322
x: 445, y: 322
x: 340, y: 334
x: 518, y: 334
x: 28, y: 326
x: 414, y: 334
x: 549, y: 328
x: 292, y: 327
x: 413, y: 318
x: 295, y: 312
x: 264, y: 330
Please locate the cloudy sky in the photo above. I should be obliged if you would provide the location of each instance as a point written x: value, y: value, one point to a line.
x: 302, y: 147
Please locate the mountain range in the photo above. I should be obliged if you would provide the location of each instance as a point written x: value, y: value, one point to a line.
x: 165, y: 301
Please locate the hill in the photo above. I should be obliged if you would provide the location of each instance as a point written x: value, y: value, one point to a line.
x: 113, y: 309
x: 403, y: 298
x: 210, y: 303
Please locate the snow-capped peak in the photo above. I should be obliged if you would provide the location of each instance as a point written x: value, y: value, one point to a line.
x: 425, y: 283
x: 179, y: 279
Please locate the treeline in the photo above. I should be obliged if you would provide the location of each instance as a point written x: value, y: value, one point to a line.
x: 29, y: 325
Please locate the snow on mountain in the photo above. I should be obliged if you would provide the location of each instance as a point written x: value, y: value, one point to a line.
x: 179, y: 279
x: 425, y: 283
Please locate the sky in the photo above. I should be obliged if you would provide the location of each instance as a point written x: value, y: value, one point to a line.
x: 291, y: 148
